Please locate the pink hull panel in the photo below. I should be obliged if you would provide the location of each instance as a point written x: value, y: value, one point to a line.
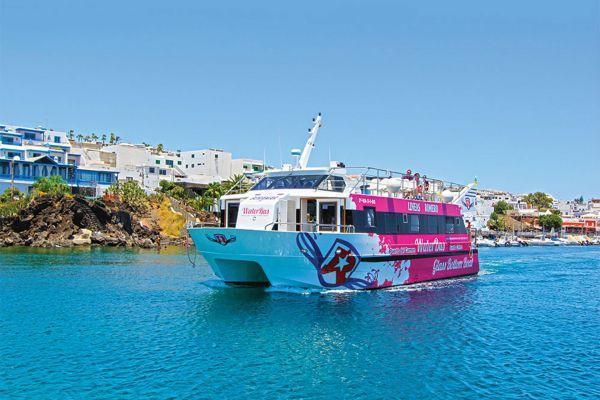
x: 408, y: 272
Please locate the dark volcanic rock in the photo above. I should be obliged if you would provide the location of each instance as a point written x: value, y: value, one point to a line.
x: 49, y: 222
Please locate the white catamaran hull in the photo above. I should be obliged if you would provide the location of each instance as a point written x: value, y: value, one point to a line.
x: 330, y: 260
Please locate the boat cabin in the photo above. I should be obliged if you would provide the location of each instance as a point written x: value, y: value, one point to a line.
x: 332, y: 200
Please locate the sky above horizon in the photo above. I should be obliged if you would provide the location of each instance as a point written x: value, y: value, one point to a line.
x: 507, y: 91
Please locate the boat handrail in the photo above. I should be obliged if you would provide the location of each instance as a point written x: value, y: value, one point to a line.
x: 313, y: 226
x: 367, y: 174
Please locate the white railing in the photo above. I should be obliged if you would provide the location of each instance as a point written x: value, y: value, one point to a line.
x: 370, y: 179
x: 312, y: 227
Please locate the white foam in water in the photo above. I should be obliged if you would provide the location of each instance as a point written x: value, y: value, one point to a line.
x: 486, y: 272
x: 218, y: 284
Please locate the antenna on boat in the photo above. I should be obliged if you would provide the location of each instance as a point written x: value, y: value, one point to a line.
x: 310, y: 143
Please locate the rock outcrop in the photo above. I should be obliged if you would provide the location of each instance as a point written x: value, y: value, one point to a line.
x: 73, y: 221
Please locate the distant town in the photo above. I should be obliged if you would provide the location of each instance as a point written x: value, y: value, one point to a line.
x: 89, y: 164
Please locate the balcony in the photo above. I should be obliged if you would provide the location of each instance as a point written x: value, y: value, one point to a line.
x: 30, y: 172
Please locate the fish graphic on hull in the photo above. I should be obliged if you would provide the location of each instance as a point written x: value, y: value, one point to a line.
x: 221, y: 239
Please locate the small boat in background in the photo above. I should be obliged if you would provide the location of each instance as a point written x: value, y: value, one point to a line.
x: 542, y: 242
x: 483, y: 242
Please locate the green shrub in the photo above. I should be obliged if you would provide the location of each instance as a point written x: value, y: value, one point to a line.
x: 11, y: 202
x: 54, y: 186
x: 130, y: 193
x: 551, y: 221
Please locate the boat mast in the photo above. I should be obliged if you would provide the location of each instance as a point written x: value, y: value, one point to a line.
x: 310, y: 143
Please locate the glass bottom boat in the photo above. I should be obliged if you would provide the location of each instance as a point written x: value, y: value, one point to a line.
x: 334, y: 229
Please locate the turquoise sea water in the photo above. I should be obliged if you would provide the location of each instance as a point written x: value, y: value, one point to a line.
x: 137, y: 324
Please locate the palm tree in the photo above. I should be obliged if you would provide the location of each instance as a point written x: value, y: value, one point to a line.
x: 202, y: 203
x: 71, y: 134
x: 117, y: 139
x: 159, y: 148
x: 79, y: 137
x: 87, y: 138
x: 112, y: 138
x: 240, y: 183
x: 94, y: 137
x: 103, y: 139
x: 214, y: 190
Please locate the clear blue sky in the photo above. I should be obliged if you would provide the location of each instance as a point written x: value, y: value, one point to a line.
x: 508, y: 91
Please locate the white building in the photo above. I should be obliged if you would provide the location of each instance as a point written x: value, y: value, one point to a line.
x: 27, y: 154
x: 145, y: 164
x: 212, y: 163
x: 570, y: 208
x: 247, y: 166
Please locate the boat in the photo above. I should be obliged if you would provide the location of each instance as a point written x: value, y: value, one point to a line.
x: 484, y: 242
x: 542, y: 242
x: 339, y: 227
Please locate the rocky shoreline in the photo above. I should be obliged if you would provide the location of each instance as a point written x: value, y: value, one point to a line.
x: 76, y: 221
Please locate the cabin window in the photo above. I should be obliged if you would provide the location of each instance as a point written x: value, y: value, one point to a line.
x: 414, y: 223
x: 391, y: 223
x: 459, y: 225
x: 432, y: 224
x: 369, y: 217
x: 289, y: 182
x: 449, y: 225
x: 333, y: 183
x: 328, y: 216
x: 387, y: 223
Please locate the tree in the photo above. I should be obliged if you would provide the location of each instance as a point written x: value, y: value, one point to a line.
x: 539, y: 200
x: 53, y: 185
x: 11, y: 202
x: 172, y: 189
x: 103, y: 139
x: 214, y: 190
x: 239, y: 183
x: 130, y: 193
x: 159, y: 148
x: 94, y: 137
x: 87, y: 138
x: 501, y: 207
x: 202, y: 203
x: 498, y: 217
x: 497, y: 222
x: 112, y: 138
x: 550, y: 221
x: 117, y: 139
x: 79, y: 137
x: 71, y: 134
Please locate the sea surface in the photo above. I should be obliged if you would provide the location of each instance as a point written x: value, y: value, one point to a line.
x: 132, y: 324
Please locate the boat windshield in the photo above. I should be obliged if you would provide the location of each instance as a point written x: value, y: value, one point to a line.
x: 289, y: 182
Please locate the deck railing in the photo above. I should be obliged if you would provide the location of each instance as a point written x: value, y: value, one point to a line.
x: 311, y: 227
x: 368, y: 180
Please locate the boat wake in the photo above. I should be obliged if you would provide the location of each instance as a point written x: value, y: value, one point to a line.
x: 216, y: 284
x: 431, y: 285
